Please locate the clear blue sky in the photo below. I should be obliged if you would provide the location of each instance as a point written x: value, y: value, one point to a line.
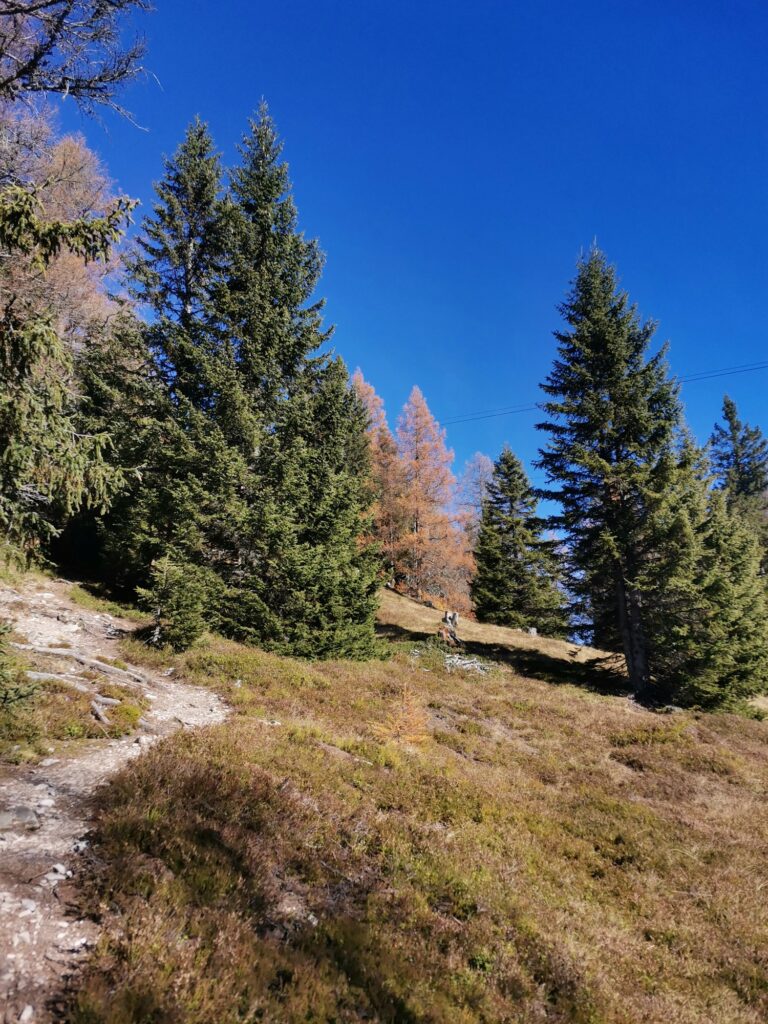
x: 453, y: 158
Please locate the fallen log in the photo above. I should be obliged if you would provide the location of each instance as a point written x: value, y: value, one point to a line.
x: 110, y: 702
x: 73, y: 684
x: 82, y: 659
x: 98, y: 714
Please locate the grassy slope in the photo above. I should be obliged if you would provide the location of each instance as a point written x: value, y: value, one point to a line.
x: 394, y: 842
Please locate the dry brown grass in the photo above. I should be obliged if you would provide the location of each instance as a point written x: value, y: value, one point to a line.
x: 544, y: 853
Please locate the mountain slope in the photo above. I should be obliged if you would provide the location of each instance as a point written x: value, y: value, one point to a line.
x: 403, y: 841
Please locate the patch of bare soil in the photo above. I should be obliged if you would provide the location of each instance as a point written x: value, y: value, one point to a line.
x: 44, y: 809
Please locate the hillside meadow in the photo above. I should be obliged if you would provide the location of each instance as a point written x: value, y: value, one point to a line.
x: 399, y: 841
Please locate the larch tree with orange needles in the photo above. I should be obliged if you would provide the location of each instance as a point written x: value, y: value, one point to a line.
x: 434, y: 559
x: 390, y: 509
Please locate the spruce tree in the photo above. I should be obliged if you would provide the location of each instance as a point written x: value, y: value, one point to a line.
x: 259, y: 487
x: 192, y: 479
x: 312, y: 588
x: 308, y: 577
x: 739, y: 455
x: 653, y: 553
x: 515, y: 583
x: 48, y: 468
x: 274, y: 319
x: 706, y: 616
x: 178, y: 269
x: 612, y: 418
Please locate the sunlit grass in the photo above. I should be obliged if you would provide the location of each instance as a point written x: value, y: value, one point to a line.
x: 394, y: 842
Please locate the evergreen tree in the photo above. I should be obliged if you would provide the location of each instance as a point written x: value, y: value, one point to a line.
x: 729, y: 661
x: 652, y: 555
x: 312, y: 586
x: 707, y: 619
x: 740, y: 463
x: 273, y: 317
x: 739, y: 456
x: 178, y: 270
x: 47, y: 468
x: 309, y: 576
x: 515, y: 583
x: 613, y: 414
x: 194, y: 429
x: 254, y: 464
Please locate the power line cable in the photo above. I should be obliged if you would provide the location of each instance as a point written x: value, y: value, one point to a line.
x: 693, y: 378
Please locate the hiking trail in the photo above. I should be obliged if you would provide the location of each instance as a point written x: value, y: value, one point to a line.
x: 46, y: 808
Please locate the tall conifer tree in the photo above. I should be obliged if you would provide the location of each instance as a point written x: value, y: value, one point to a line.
x: 612, y: 418
x: 189, y: 493
x: 651, y: 553
x: 740, y: 463
x: 739, y: 456
x: 434, y: 556
x: 262, y: 480
x: 388, y: 478
x: 515, y: 583
x: 275, y: 321
x: 309, y: 576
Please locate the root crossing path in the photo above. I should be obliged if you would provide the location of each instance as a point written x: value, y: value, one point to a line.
x: 45, y: 808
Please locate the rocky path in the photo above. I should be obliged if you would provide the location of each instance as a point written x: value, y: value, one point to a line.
x: 44, y: 809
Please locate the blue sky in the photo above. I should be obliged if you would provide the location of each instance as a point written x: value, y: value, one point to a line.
x: 454, y: 158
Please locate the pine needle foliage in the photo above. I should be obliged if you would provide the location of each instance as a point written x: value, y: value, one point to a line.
x: 739, y: 454
x: 516, y: 580
x: 612, y: 415
x: 48, y: 467
x: 660, y: 565
x: 261, y: 476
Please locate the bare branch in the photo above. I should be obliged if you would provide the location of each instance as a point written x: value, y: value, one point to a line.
x: 69, y: 48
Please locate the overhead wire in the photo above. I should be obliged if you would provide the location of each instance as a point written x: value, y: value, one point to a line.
x: 692, y: 378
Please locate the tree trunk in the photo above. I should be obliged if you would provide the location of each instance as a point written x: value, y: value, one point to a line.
x: 632, y: 636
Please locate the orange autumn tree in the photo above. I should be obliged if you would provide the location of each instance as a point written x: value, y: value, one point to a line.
x: 434, y: 559
x: 390, y: 515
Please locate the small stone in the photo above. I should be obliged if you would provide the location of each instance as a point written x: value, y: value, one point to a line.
x: 19, y: 818
x: 27, y: 1014
x: 48, y: 761
x: 46, y: 803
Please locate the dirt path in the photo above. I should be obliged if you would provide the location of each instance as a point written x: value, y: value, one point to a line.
x: 44, y: 808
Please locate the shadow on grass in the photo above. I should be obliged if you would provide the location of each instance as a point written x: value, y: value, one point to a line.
x: 597, y: 675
